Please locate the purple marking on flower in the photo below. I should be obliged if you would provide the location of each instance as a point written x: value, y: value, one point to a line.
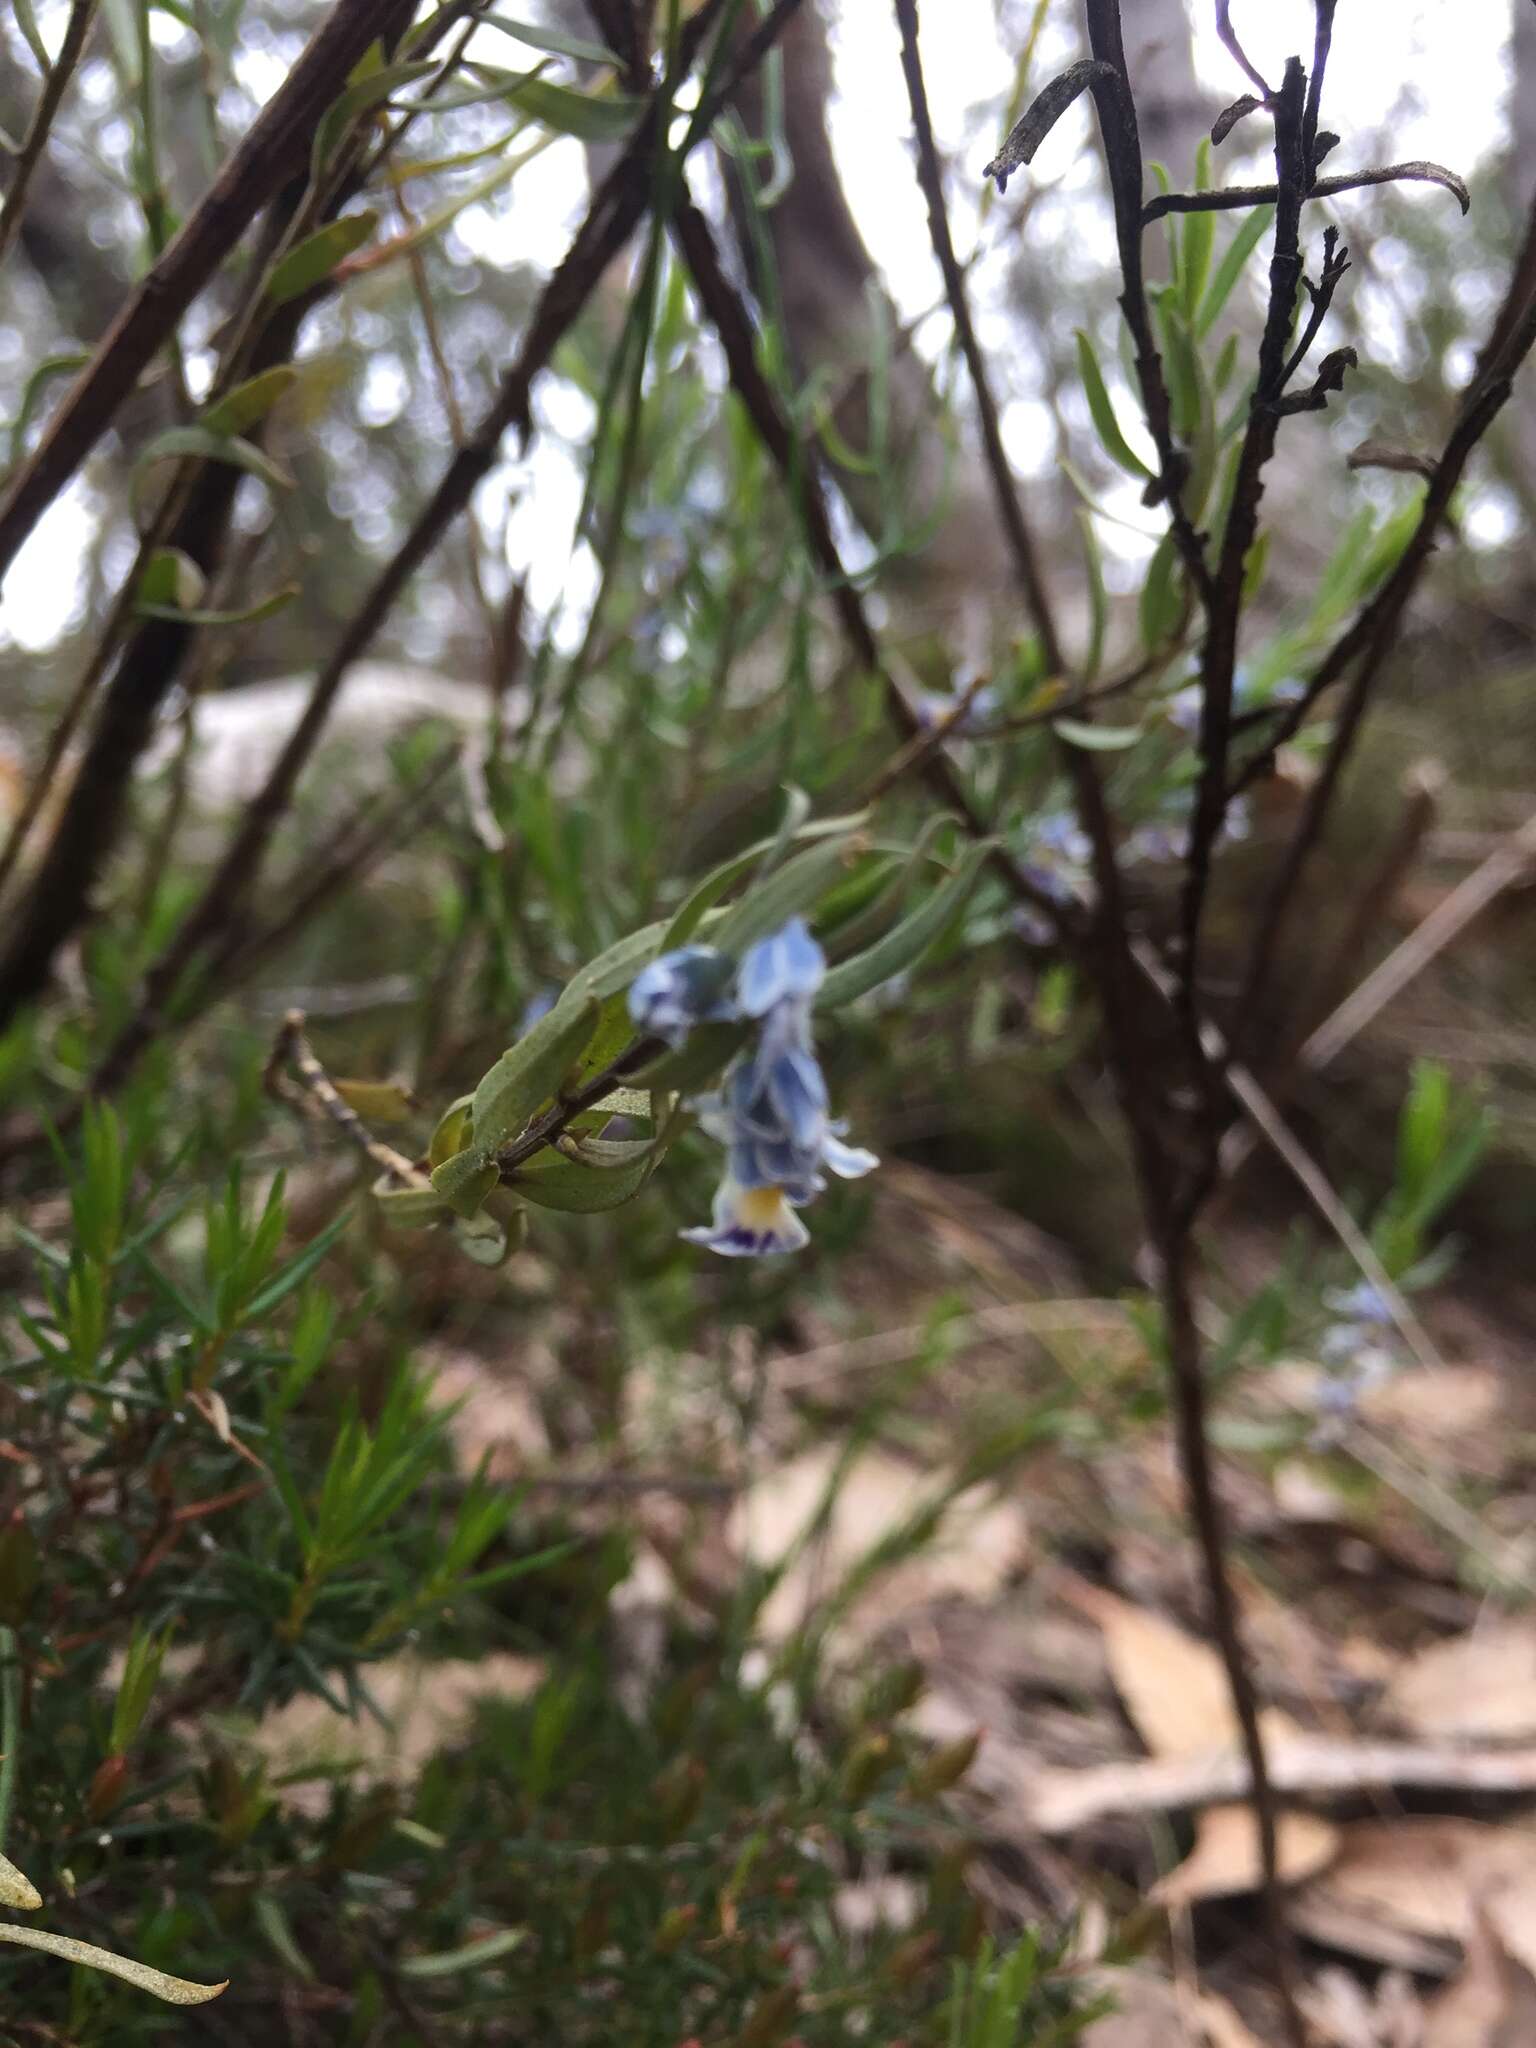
x: 750, y: 1223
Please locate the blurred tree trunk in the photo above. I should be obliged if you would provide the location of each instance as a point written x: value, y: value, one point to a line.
x: 1173, y: 110
x: 1519, y: 430
x: 834, y: 309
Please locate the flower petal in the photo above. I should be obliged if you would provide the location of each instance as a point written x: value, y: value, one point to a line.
x: 787, y: 965
x: 848, y: 1162
x: 750, y: 1223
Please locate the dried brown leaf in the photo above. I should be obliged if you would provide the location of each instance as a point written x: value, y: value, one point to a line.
x: 1225, y: 1860
x: 1481, y: 1685
x: 1490, y: 2003
x: 1425, y: 1880
x: 1173, y: 1687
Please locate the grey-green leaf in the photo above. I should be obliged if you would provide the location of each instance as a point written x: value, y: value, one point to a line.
x: 907, y: 942
x: 788, y: 892
x: 250, y: 401
x: 1115, y: 445
x: 174, y: 1990
x: 1096, y: 739
x: 311, y: 261
x: 465, y: 1180
x: 176, y: 442
x: 527, y: 1074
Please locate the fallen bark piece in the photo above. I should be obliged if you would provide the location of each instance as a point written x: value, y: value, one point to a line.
x: 1306, y: 1766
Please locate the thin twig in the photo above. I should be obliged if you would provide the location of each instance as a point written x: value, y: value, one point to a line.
x: 272, y: 149
x: 55, y: 85
x: 10, y: 1725
x: 1228, y: 35
x: 1366, y: 646
x: 292, y: 1049
x: 1228, y: 198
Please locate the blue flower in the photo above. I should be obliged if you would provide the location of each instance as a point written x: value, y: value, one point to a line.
x: 771, y: 1113
x: 750, y: 1223
x: 1362, y: 1303
x: 787, y: 966
x: 1056, y: 857
x: 687, y: 987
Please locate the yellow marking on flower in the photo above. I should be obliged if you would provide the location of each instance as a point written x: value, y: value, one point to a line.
x: 760, y: 1208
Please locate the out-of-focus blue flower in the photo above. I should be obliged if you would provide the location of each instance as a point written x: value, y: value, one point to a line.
x: 786, y: 967
x: 750, y: 1223
x: 1362, y: 1303
x: 687, y: 987
x: 771, y: 1112
x: 1056, y: 857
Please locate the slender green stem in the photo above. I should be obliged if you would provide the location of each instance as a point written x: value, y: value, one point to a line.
x: 10, y: 1724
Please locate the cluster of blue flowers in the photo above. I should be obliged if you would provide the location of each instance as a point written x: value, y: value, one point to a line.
x: 771, y: 1111
x: 1356, y: 1352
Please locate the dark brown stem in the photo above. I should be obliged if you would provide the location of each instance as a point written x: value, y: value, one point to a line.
x: 1228, y: 35
x: 1322, y: 43
x: 1219, y: 659
x: 1231, y: 198
x: 35, y: 141
x: 270, y: 153
x: 1020, y: 540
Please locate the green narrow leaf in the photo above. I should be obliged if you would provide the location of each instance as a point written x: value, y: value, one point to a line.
x: 464, y: 1181
x: 1115, y: 445
x: 590, y: 117
x: 788, y: 892
x: 906, y: 944
x: 49, y: 368
x: 451, y: 1132
x: 1231, y: 268
x: 245, y: 615
x: 709, y: 1050
x: 1096, y: 739
x: 551, y: 41
x: 26, y: 21
x: 408, y: 1206
x: 176, y: 442
x: 1098, y: 598
x: 250, y: 401
x: 311, y: 261
x: 171, y: 579
x: 369, y: 87
x: 583, y: 1190
x: 473, y: 1956
x: 1160, y: 601
x: 527, y: 1074
x: 174, y: 1990
x: 1199, y: 239
x: 705, y: 894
